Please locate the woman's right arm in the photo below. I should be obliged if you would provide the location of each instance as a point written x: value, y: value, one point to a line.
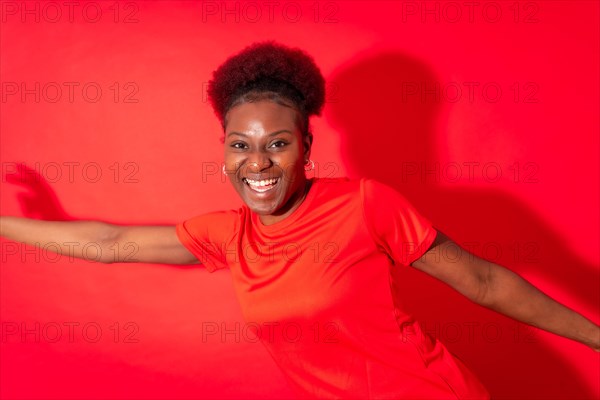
x: 100, y: 241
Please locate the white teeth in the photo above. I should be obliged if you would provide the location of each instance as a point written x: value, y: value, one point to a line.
x: 265, y: 182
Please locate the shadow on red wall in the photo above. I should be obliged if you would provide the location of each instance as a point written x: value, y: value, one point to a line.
x: 38, y: 200
x: 379, y: 130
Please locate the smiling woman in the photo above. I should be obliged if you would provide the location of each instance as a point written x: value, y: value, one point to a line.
x: 315, y: 260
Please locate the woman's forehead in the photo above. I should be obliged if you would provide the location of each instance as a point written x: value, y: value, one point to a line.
x: 259, y: 115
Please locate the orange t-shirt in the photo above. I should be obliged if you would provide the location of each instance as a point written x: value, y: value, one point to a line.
x: 317, y: 288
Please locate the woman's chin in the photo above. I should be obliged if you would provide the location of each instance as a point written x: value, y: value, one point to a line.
x: 262, y: 207
x: 262, y: 210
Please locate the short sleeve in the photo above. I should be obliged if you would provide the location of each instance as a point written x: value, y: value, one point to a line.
x: 396, y: 226
x: 208, y: 237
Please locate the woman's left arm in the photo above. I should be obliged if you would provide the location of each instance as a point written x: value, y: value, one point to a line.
x: 500, y: 289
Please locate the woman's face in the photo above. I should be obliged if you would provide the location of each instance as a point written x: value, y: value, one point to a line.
x: 265, y: 153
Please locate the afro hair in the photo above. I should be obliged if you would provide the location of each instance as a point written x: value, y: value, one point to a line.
x: 268, y: 67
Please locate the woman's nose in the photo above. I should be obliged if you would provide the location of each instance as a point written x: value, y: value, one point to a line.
x: 259, y: 162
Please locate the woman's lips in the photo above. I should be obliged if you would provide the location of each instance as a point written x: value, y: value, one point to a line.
x: 261, y: 186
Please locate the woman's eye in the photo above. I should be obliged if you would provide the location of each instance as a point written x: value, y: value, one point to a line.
x: 278, y: 143
x: 238, y: 145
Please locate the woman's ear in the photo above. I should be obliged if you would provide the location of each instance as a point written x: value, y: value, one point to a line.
x: 307, y: 141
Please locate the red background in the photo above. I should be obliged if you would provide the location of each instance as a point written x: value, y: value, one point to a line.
x: 518, y: 178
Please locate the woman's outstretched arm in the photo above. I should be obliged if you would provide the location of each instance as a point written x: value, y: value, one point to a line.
x: 500, y: 289
x: 107, y: 243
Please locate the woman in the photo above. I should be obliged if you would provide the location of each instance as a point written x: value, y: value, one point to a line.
x: 313, y: 260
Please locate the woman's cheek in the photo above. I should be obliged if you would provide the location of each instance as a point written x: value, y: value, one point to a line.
x: 294, y: 173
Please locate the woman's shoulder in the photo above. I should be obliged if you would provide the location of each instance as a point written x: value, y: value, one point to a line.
x: 219, y: 220
x: 336, y: 183
x: 347, y: 184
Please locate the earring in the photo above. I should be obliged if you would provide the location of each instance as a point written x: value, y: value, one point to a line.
x: 310, y: 164
x: 224, y: 172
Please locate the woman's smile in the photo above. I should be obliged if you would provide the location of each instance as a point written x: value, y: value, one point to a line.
x: 261, y: 186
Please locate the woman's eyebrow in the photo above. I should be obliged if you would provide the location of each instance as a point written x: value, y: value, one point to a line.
x: 269, y: 135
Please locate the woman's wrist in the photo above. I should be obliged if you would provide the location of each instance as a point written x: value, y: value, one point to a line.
x: 593, y: 337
